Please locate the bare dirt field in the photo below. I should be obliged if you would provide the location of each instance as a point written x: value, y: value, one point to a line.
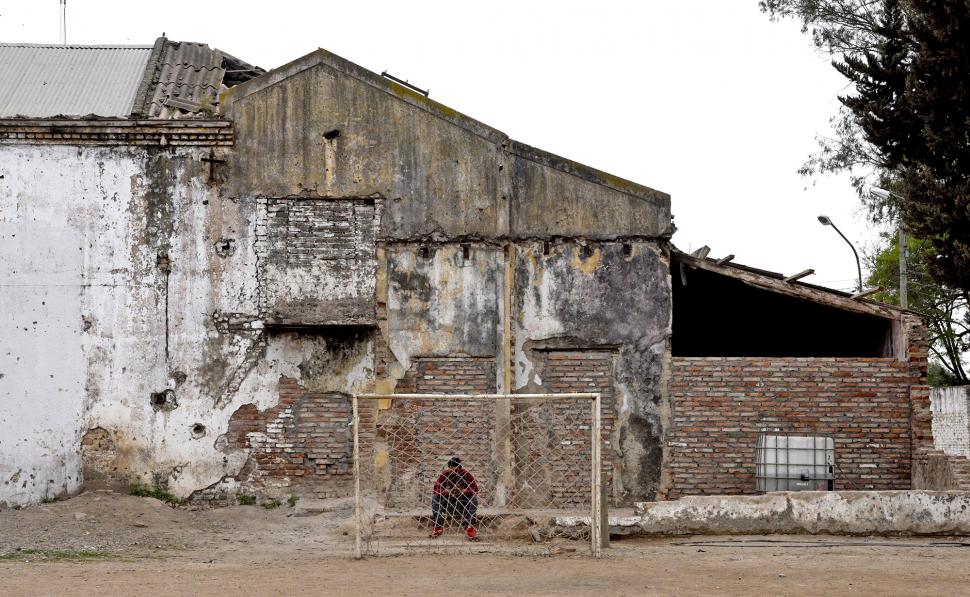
x: 102, y: 543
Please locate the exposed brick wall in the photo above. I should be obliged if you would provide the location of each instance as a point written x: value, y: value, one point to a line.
x: 721, y: 404
x: 420, y: 435
x: 116, y: 132
x: 99, y: 461
x: 557, y: 432
x: 917, y: 349
x: 305, y: 440
x: 317, y: 259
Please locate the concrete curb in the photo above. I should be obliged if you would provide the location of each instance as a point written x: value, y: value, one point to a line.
x: 812, y: 512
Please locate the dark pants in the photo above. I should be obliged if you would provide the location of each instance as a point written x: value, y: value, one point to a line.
x: 461, y: 506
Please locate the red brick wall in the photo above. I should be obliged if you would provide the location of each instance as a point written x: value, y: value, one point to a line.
x: 421, y: 435
x: 305, y: 440
x: 721, y: 404
x: 558, y: 432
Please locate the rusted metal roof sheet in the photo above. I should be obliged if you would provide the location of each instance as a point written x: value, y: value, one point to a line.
x: 40, y: 80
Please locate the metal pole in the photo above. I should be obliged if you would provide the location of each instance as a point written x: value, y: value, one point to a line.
x: 358, y: 550
x: 858, y: 264
x: 596, y: 530
x: 903, y: 268
x: 63, y: 22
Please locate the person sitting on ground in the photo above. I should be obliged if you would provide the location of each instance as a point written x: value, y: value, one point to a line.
x: 455, y: 495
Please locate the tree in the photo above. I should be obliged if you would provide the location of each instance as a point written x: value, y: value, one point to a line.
x: 906, y: 123
x: 869, y: 35
x: 945, y: 308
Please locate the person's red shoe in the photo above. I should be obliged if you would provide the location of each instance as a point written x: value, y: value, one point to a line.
x: 472, y: 534
x: 436, y: 532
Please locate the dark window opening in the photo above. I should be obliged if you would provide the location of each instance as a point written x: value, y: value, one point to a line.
x: 720, y: 316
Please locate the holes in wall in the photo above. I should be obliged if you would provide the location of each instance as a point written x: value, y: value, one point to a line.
x: 586, y: 251
x: 331, y: 134
x: 424, y: 252
x: 225, y: 247
x: 465, y: 252
x: 164, y: 400
x: 163, y: 262
x: 627, y: 249
x: 198, y: 431
x: 546, y: 248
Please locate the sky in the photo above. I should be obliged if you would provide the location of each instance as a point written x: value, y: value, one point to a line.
x: 707, y: 100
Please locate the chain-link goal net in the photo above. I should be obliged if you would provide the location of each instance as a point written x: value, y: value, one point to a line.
x: 494, y: 472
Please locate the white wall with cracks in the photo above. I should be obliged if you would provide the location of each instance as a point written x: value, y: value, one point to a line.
x: 131, y: 302
x: 111, y: 290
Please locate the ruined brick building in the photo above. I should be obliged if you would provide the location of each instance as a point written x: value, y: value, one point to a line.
x: 202, y: 260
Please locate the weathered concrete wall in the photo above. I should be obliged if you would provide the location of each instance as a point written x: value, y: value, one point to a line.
x: 951, y: 420
x: 813, y: 512
x: 174, y: 318
x: 613, y: 296
x: 322, y: 126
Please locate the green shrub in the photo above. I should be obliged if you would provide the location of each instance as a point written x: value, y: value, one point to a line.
x: 158, y: 493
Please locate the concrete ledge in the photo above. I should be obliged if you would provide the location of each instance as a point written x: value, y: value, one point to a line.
x: 813, y: 512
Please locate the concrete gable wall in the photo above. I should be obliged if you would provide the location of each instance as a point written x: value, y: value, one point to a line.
x: 322, y: 126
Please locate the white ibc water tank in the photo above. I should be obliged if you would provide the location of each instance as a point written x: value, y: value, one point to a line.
x: 795, y: 463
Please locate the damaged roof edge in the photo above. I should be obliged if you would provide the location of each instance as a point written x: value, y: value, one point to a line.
x: 773, y: 281
x: 145, y: 89
x: 342, y: 65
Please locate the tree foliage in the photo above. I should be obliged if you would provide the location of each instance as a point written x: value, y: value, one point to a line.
x: 906, y: 122
x: 945, y: 308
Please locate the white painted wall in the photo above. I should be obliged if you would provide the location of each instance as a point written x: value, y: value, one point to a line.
x: 951, y: 420
x: 82, y: 305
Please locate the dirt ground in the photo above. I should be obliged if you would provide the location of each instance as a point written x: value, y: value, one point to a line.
x: 101, y: 543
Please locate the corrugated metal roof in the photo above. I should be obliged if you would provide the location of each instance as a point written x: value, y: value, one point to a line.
x: 50, y: 80
x: 186, y: 75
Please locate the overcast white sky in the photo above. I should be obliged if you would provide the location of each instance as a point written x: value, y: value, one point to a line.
x: 706, y: 100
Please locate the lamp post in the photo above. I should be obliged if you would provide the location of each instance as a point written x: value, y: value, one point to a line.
x: 827, y: 221
x: 884, y: 195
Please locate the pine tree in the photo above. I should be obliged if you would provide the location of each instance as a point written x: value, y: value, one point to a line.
x: 936, y: 172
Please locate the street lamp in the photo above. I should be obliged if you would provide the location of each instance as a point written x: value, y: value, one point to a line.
x: 827, y: 221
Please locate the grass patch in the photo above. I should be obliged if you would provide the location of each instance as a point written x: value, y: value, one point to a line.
x: 139, y: 490
x: 247, y: 500
x: 272, y: 504
x: 291, y: 501
x: 52, y: 555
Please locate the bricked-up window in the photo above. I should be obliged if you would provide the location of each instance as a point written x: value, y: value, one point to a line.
x: 317, y: 259
x: 720, y: 316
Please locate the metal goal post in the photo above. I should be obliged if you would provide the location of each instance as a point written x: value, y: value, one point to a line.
x: 528, y: 450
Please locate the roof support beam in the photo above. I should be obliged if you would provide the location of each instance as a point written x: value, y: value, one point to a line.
x: 799, y: 275
x: 794, y: 290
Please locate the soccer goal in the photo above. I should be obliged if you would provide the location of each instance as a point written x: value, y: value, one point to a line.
x: 482, y: 472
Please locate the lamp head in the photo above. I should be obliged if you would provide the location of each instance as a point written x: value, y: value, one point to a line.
x: 825, y: 220
x: 878, y: 193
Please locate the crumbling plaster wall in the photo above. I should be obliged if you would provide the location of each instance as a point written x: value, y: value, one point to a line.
x: 151, y: 257
x: 603, y: 296
x: 117, y: 285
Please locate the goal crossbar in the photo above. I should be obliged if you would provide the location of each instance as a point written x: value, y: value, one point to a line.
x: 596, y: 495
